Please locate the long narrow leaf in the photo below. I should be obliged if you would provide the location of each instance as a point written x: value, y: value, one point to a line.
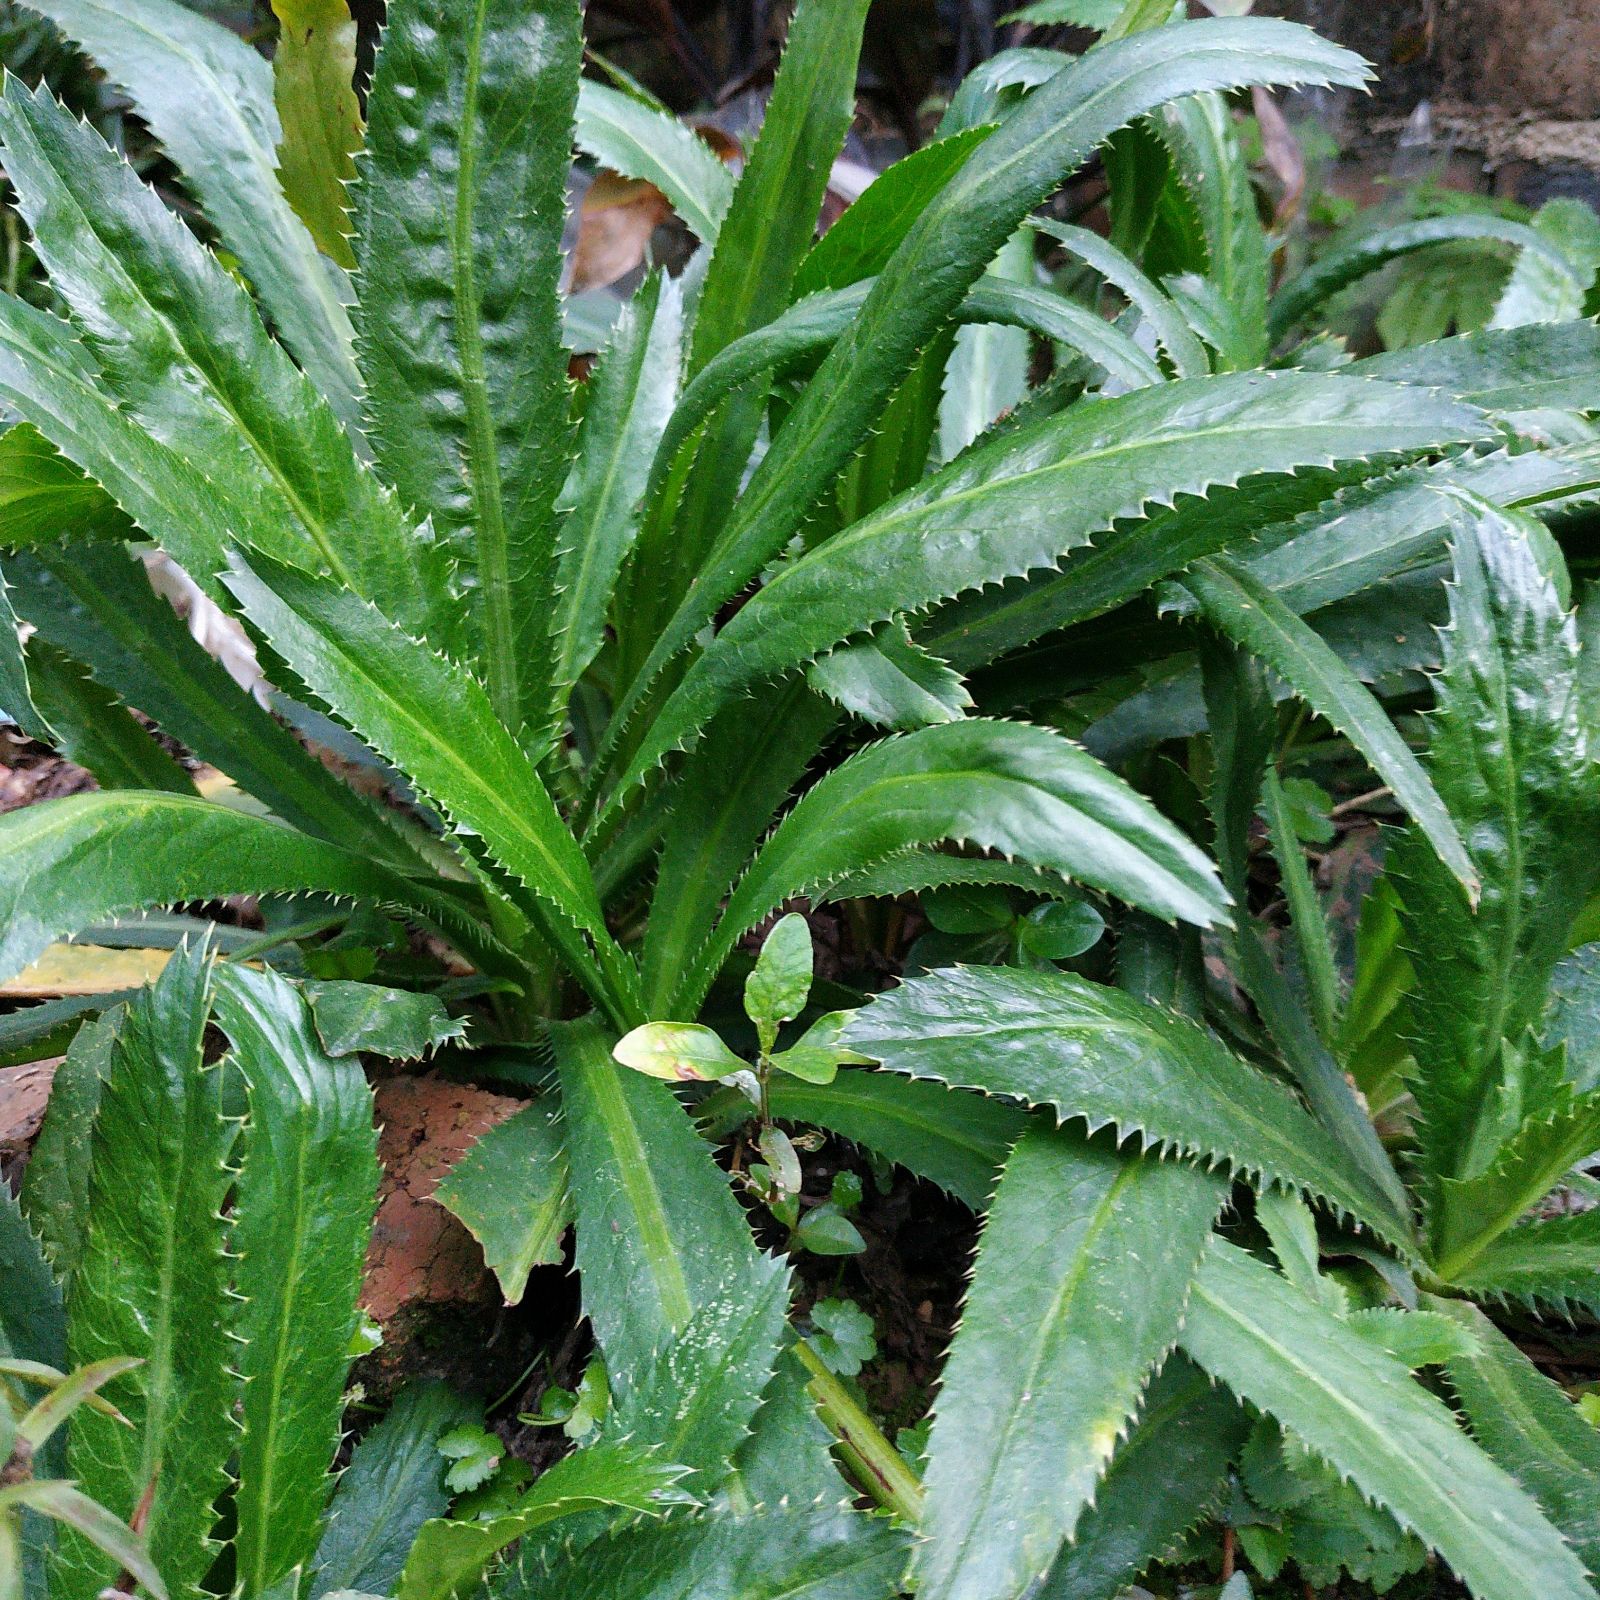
x: 436, y: 722
x: 1010, y: 787
x: 1510, y: 753
x: 947, y: 250
x: 207, y: 96
x: 460, y: 209
x: 783, y: 1553
x: 98, y: 603
x: 1023, y: 501
x: 1083, y: 1273
x: 307, y: 1185
x: 639, y: 141
x: 152, y: 1283
x: 1360, y: 256
x: 660, y: 1235
x: 1360, y: 1409
x: 393, y: 1486
x: 1093, y: 1052
x: 183, y: 352
x: 82, y: 859
x: 1165, y: 1474
x: 1250, y: 614
x: 511, y: 1192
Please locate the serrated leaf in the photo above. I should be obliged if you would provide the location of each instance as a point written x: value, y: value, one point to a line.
x: 1365, y: 253
x: 714, y: 825
x: 45, y: 499
x: 1010, y: 787
x: 450, y: 1555
x: 1183, y: 349
x: 1079, y: 1290
x: 1502, y: 369
x: 890, y: 680
x: 48, y: 378
x: 1363, y: 1413
x: 693, y: 1401
x: 1539, y: 290
x: 1243, y: 733
x: 1414, y: 1338
x: 392, y: 1487
x: 957, y: 1141
x: 860, y: 243
x: 79, y: 860
x: 55, y: 1188
x: 32, y: 1322
x: 986, y: 374
x: 1572, y: 1014
x: 1246, y: 611
x: 398, y: 1023
x: 152, y: 1282
x: 92, y: 728
x: 511, y: 1192
x: 782, y: 1553
x: 460, y: 208
x: 659, y: 1233
x: 1088, y: 1051
x: 98, y: 603
x: 942, y: 255
x: 437, y: 723
x: 788, y: 1454
x: 1553, y: 1264
x: 183, y: 353
x: 630, y: 398
x: 1206, y: 159
x: 207, y: 96
x: 1509, y: 754
x: 639, y: 141
x: 1386, y: 524
x: 1165, y: 1473
x: 1529, y: 1426
x: 306, y: 1189
x: 313, y: 89
x: 1025, y: 500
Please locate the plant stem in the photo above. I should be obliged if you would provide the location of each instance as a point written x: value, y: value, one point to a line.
x: 879, y: 1467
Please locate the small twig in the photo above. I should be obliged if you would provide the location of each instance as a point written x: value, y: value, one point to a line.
x: 1356, y: 802
x: 1227, y: 1553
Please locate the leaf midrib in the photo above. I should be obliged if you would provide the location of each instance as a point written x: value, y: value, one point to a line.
x: 637, y: 1179
x: 1311, y: 1379
x: 483, y: 460
x: 219, y: 395
x: 1068, y: 1290
x: 280, y: 1356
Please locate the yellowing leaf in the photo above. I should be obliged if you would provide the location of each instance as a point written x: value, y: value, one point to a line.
x: 85, y: 969
x: 313, y: 85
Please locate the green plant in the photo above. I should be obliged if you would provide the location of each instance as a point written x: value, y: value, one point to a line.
x: 1499, y: 1113
x: 243, y: 1321
x: 25, y: 1431
x: 627, y: 754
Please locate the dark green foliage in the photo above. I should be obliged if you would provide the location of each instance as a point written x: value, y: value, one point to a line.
x: 743, y: 620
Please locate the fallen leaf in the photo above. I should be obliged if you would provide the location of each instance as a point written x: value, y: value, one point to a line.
x: 84, y: 969
x: 615, y: 222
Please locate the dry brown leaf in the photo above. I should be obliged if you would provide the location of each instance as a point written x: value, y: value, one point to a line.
x: 615, y: 222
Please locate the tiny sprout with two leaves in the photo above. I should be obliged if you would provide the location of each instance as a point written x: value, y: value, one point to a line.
x: 775, y: 993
